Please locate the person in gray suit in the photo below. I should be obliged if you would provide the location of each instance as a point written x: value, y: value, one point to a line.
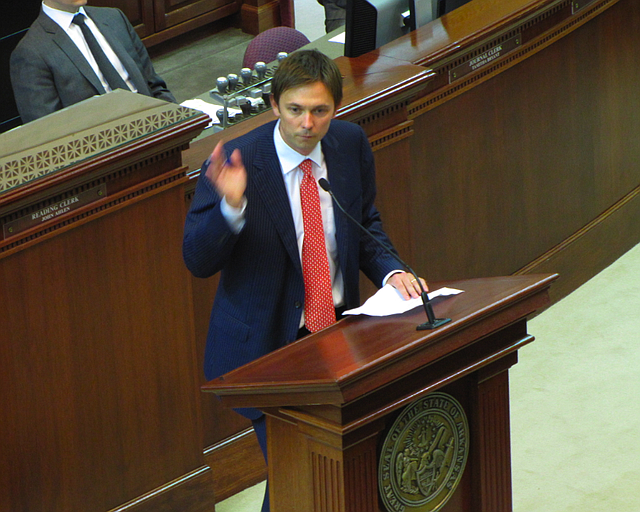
x: 52, y: 66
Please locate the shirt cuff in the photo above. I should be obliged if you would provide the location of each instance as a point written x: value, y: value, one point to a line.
x: 386, y: 278
x: 234, y: 216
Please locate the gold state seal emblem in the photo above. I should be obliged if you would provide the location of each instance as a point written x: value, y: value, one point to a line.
x: 424, y: 455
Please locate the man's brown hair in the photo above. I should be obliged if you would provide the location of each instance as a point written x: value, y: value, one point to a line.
x: 306, y: 67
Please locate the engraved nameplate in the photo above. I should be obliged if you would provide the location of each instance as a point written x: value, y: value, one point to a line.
x: 479, y: 61
x: 577, y: 5
x: 52, y: 211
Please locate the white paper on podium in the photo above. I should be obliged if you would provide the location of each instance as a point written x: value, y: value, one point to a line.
x: 388, y: 301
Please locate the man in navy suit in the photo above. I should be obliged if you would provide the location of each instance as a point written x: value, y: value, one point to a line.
x: 52, y: 67
x: 246, y: 221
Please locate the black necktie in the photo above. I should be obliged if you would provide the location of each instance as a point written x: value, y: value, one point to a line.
x: 110, y: 74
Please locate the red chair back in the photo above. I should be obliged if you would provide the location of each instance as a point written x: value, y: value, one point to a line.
x: 266, y: 45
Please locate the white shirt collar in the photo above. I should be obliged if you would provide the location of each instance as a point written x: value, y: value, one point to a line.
x: 62, y: 18
x: 289, y: 158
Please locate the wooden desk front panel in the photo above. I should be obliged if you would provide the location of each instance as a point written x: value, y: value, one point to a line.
x: 100, y: 383
x: 506, y: 176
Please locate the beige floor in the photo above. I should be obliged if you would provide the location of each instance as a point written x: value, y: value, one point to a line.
x: 575, y: 403
x: 575, y: 400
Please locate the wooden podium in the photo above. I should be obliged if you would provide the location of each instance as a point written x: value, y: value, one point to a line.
x: 332, y: 397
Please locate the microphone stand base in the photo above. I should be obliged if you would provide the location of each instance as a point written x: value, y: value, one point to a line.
x: 433, y: 325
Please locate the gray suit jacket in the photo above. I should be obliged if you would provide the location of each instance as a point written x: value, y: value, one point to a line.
x: 48, y: 71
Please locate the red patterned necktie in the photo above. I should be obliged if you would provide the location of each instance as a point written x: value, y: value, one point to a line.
x: 318, y: 299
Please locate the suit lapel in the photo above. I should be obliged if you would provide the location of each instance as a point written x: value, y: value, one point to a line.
x: 271, y: 190
x: 64, y: 42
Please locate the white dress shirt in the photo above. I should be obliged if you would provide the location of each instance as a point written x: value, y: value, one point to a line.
x: 65, y: 20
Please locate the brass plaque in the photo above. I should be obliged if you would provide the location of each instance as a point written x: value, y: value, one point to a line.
x: 54, y: 210
x: 495, y: 52
x: 424, y: 455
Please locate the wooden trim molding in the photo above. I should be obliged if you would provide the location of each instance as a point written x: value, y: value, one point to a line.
x: 236, y: 463
x: 612, y: 233
x: 170, y: 495
x: 391, y: 136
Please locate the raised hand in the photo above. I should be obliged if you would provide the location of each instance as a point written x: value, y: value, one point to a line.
x: 228, y: 176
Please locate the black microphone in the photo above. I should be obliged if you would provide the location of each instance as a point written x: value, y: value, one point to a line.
x: 432, y: 322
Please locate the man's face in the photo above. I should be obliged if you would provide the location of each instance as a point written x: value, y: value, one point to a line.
x: 305, y: 113
x: 66, y: 5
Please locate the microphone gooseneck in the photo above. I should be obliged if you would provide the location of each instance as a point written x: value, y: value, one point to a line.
x: 432, y: 322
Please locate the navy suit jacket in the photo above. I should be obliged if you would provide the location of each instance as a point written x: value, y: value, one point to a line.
x: 48, y: 71
x: 260, y: 297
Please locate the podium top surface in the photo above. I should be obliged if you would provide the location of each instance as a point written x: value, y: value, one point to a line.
x: 360, y: 354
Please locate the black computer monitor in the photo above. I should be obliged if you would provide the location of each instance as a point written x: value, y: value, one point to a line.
x: 373, y: 23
